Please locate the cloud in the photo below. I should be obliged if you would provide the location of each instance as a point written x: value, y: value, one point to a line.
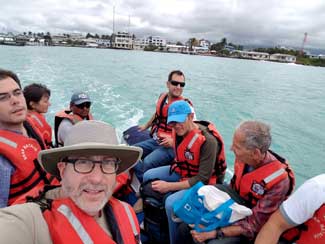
x: 268, y: 22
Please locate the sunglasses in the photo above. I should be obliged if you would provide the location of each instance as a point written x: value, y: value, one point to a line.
x: 176, y: 83
x: 82, y: 105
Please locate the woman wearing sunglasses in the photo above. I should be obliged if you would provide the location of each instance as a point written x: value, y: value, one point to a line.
x: 79, y: 110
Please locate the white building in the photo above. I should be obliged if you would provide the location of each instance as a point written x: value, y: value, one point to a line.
x: 90, y: 42
x: 204, y: 43
x: 157, y: 41
x: 250, y: 55
x: 286, y: 58
x: 76, y: 36
x: 59, y: 39
x: 176, y: 48
x: 122, y: 40
x: 103, y: 42
x: 200, y: 49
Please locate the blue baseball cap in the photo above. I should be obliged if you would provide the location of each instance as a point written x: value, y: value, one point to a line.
x: 79, y: 98
x: 178, y: 111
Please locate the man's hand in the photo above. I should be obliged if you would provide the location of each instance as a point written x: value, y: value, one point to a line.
x: 142, y: 127
x: 166, y: 141
x: 201, y: 237
x: 161, y: 186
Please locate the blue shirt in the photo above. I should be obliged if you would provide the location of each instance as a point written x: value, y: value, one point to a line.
x: 6, y: 171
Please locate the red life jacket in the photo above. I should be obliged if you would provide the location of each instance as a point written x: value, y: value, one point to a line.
x: 312, y: 231
x: 253, y: 185
x: 22, y: 152
x: 66, y: 114
x: 69, y: 224
x: 123, y: 181
x: 187, y: 159
x: 38, y: 121
x: 159, y: 124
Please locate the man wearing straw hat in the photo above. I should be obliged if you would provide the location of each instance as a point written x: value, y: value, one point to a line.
x: 82, y: 210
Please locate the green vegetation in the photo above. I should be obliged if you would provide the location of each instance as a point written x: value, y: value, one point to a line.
x: 301, y: 59
x: 311, y: 61
x: 273, y: 50
x: 192, y: 42
x: 150, y: 47
x: 221, y: 47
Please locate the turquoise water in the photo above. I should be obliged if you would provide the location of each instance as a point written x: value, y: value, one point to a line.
x: 125, y: 84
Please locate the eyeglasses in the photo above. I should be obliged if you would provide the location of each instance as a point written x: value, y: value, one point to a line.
x: 176, y: 83
x: 86, y: 166
x: 82, y: 105
x: 6, y: 96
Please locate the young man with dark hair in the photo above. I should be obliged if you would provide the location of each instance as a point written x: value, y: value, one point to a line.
x: 83, y: 209
x: 19, y: 144
x: 158, y: 150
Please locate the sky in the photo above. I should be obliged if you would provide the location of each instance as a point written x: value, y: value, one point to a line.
x: 245, y: 22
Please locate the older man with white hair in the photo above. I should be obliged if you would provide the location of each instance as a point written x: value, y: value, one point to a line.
x: 83, y: 209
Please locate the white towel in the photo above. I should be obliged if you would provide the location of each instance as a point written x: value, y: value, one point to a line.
x: 213, y: 198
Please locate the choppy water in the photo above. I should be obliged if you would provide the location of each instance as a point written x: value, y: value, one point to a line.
x: 125, y: 85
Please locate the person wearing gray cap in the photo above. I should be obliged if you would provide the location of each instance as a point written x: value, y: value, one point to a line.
x: 82, y: 210
x: 79, y: 110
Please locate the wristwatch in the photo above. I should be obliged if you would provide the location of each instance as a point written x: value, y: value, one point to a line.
x: 220, y: 234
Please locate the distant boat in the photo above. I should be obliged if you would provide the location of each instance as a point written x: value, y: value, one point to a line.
x: 12, y: 43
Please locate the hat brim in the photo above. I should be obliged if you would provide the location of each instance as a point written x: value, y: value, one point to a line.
x: 179, y: 118
x: 82, y: 101
x: 128, y: 155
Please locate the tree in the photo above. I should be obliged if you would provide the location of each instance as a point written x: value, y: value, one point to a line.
x: 219, y: 45
x: 224, y: 41
x: 89, y: 36
x: 150, y: 47
x: 179, y: 43
x: 192, y: 42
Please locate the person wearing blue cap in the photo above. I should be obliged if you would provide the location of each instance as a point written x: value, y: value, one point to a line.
x: 79, y: 110
x: 158, y: 150
x: 200, y: 156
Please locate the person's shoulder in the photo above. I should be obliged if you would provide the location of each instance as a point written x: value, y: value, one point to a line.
x: 316, y: 183
x: 206, y: 132
x: 23, y: 223
x: 66, y: 122
x: 27, y: 213
x: 319, y: 180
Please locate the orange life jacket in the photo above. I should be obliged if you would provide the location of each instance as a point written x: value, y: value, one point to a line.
x: 22, y: 152
x: 159, y: 124
x: 69, y: 224
x: 123, y: 181
x: 66, y: 114
x: 312, y: 231
x: 253, y: 185
x: 38, y: 121
x: 187, y: 159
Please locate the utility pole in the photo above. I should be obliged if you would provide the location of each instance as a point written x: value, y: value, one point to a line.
x: 113, y: 19
x: 303, y: 44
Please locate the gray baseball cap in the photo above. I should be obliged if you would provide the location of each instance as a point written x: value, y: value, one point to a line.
x: 79, y: 98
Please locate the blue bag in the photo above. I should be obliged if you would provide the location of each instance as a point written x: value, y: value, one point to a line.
x: 132, y: 135
x: 191, y: 210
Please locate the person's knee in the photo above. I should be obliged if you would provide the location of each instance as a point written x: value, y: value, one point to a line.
x: 169, y: 202
x: 149, y: 175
